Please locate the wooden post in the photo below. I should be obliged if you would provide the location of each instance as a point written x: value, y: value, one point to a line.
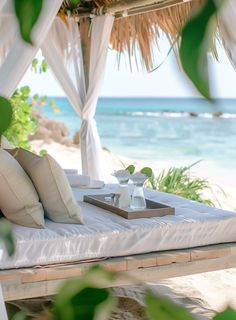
x: 84, y: 26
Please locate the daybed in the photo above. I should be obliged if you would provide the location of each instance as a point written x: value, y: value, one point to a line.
x: 197, y: 239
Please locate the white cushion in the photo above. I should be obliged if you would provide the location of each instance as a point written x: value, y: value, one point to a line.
x: 19, y: 201
x: 52, y: 186
x: 4, y: 143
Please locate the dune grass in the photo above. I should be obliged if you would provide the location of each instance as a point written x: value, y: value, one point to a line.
x: 179, y: 181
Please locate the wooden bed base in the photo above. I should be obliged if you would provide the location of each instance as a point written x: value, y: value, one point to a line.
x: 36, y: 282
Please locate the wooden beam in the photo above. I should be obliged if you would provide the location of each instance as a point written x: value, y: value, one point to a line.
x: 133, y: 7
x: 150, y: 8
x: 35, y: 282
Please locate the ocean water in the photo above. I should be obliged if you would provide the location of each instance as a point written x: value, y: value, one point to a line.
x: 161, y: 129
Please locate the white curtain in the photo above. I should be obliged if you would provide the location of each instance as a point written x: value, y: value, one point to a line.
x: 20, y: 54
x: 3, y: 311
x: 63, y: 52
x: 227, y: 27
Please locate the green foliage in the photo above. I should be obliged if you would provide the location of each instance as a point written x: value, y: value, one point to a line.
x: 178, y: 181
x: 228, y: 314
x: 196, y: 40
x: 19, y: 316
x: 5, y: 114
x: 23, y: 123
x: 147, y: 171
x: 43, y: 152
x: 130, y: 168
x: 84, y: 298
x: 39, y: 68
x: 6, y: 236
x: 27, y: 12
x: 159, y: 308
x: 74, y: 3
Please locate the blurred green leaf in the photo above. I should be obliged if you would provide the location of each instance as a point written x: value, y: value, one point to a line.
x: 147, y: 171
x: 34, y: 65
x: 84, y: 298
x: 43, y: 152
x: 159, y: 308
x: 196, y: 40
x: 6, y: 236
x: 19, y: 316
x: 36, y: 97
x: 131, y: 168
x: 27, y: 12
x: 44, y: 66
x: 23, y: 123
x: 75, y: 3
x: 6, y: 114
x: 228, y: 314
x: 25, y: 91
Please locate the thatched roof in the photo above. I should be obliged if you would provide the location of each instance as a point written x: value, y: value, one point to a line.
x: 138, y: 23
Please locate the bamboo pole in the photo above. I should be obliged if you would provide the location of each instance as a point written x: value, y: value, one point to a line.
x: 149, y: 8
x: 126, y: 5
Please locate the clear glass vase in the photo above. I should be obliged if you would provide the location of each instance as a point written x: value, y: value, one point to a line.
x: 123, y: 199
x: 138, y: 200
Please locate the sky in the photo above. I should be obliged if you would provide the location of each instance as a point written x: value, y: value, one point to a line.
x: 166, y: 81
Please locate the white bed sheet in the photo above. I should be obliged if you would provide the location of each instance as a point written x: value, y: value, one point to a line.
x: 107, y: 235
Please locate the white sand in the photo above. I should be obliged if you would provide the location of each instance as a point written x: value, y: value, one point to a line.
x: 205, y: 293
x: 69, y: 157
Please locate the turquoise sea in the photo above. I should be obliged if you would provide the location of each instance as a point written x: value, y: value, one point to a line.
x: 160, y: 129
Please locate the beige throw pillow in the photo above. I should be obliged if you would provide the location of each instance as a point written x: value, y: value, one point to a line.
x: 52, y: 186
x: 19, y: 201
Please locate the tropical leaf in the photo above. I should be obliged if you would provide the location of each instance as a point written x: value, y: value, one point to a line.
x: 85, y: 298
x: 27, y: 12
x: 228, y: 314
x: 159, y: 308
x: 6, y: 236
x: 130, y: 168
x: 179, y: 181
x: 147, y: 171
x: 6, y: 114
x: 196, y: 39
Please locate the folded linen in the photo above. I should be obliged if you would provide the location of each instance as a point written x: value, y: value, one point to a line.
x: 77, y: 180
x: 71, y: 171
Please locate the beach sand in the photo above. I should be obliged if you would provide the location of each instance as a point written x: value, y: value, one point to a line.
x: 203, y: 294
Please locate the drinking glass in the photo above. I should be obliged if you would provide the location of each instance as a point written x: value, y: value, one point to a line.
x: 138, y: 200
x: 123, y: 177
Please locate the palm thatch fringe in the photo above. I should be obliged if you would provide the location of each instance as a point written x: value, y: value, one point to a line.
x: 139, y: 34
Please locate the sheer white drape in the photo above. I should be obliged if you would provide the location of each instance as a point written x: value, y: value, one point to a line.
x: 227, y: 26
x: 20, y: 54
x: 63, y: 52
x: 3, y: 312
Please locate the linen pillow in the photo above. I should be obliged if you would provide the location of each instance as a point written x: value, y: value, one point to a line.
x: 4, y: 143
x: 52, y: 186
x: 19, y: 201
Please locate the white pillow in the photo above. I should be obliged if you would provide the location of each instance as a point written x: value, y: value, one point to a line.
x: 19, y: 201
x: 4, y: 143
x: 52, y: 186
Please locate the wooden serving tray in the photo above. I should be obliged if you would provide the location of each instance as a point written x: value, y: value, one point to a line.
x: 154, y: 209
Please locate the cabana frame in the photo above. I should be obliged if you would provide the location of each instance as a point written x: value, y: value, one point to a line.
x: 27, y: 283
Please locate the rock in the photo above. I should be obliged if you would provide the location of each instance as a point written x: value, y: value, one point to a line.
x: 67, y: 142
x: 51, y: 130
x: 55, y: 125
x: 76, y: 138
x: 217, y: 114
x: 193, y: 114
x: 41, y: 134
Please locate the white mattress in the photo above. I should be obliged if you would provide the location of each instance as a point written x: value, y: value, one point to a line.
x: 107, y: 235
